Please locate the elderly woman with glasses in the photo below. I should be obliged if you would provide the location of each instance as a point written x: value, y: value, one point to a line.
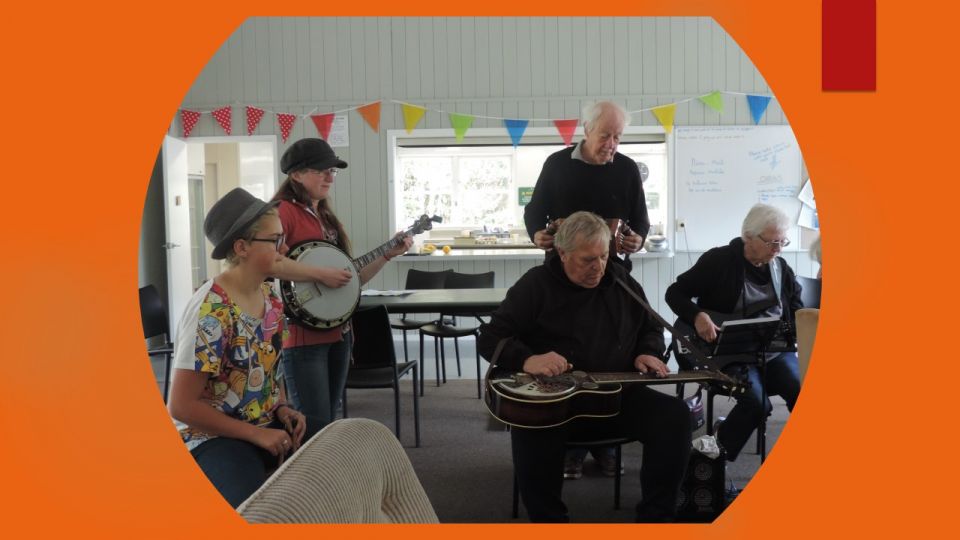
x: 315, y: 362
x: 745, y: 279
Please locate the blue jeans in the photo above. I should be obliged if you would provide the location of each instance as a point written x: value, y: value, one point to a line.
x: 783, y: 379
x: 316, y: 376
x: 238, y: 468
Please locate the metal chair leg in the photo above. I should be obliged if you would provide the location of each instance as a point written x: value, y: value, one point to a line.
x: 422, y: 362
x: 416, y: 407
x: 456, y: 347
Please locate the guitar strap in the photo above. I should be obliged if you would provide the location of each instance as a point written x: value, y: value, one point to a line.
x: 704, y: 361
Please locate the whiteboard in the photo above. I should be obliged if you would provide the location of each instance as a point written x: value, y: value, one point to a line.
x: 721, y: 171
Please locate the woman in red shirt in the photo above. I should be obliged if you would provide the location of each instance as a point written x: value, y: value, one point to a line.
x: 315, y: 362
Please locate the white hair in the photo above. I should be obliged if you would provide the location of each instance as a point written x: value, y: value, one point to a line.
x: 760, y: 218
x: 581, y: 228
x: 593, y: 111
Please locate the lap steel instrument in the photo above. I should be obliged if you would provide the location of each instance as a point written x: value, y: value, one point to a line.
x: 529, y: 401
x: 317, y: 306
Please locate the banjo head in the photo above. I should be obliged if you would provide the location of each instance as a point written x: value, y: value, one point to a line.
x: 314, y: 304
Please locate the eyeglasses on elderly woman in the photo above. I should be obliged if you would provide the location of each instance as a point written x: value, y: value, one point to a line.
x: 778, y: 244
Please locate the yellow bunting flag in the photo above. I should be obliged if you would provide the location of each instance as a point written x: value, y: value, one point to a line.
x: 665, y: 115
x: 371, y: 113
x: 412, y: 115
x: 714, y: 100
x: 461, y: 123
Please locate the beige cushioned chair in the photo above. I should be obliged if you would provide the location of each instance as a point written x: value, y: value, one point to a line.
x: 807, y: 320
x: 353, y: 471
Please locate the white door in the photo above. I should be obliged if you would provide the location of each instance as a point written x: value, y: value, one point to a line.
x: 177, y: 227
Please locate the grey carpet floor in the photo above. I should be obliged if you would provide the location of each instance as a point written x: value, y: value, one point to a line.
x: 464, y: 460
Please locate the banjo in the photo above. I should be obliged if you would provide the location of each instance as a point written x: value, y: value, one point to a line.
x: 317, y: 306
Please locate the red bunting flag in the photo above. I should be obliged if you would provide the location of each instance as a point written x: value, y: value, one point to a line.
x: 371, y: 113
x: 253, y: 119
x: 189, y: 119
x: 224, y: 117
x: 323, y: 122
x: 286, y: 124
x: 566, y: 129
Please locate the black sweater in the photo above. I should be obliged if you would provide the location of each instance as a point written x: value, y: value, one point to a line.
x: 716, y: 282
x: 598, y: 329
x: 567, y: 185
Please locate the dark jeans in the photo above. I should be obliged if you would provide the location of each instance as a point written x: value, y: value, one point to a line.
x: 783, y: 379
x: 316, y: 376
x: 660, y: 421
x: 238, y: 468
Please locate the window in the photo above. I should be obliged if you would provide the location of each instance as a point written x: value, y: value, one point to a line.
x: 480, y: 186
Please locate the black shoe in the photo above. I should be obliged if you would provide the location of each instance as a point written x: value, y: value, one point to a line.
x: 572, y: 467
x: 608, y: 464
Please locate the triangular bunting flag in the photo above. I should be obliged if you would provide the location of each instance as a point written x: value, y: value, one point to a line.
x: 566, y: 129
x: 516, y: 129
x: 758, y: 105
x: 461, y: 123
x: 224, y: 117
x: 286, y: 124
x: 714, y: 100
x: 412, y: 115
x: 189, y: 119
x: 253, y: 119
x: 371, y: 113
x: 323, y: 122
x: 665, y: 115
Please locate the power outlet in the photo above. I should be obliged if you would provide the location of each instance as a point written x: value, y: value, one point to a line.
x: 681, y: 224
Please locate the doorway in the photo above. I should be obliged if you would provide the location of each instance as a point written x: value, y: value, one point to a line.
x: 193, y: 174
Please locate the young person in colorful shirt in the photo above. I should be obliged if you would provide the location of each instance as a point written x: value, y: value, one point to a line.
x: 315, y: 362
x: 227, y: 398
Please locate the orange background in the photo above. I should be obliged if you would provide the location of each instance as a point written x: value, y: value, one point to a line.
x: 88, y: 447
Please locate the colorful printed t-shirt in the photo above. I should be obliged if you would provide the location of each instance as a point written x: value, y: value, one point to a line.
x: 239, y: 353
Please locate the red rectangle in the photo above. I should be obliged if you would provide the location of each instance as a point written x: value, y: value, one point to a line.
x: 849, y: 53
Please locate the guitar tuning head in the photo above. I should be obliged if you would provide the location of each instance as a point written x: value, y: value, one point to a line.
x: 435, y: 218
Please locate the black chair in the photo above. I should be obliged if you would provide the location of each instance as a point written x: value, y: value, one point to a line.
x: 440, y: 330
x: 153, y: 316
x: 599, y: 443
x: 375, y: 363
x: 810, y: 293
x: 418, y: 279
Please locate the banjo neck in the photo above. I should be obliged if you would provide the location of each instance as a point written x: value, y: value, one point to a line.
x: 379, y: 251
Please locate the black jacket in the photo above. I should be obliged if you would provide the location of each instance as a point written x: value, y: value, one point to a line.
x: 716, y: 282
x: 596, y: 330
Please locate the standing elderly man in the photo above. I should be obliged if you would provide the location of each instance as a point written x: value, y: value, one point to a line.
x: 591, y: 176
x: 571, y: 312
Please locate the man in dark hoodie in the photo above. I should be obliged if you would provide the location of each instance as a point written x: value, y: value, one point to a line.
x: 570, y: 313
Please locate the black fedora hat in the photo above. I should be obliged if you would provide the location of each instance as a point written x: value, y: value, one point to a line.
x: 230, y: 217
x: 310, y: 154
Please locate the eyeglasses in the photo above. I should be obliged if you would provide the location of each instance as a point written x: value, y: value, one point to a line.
x: 332, y: 171
x: 277, y: 242
x: 779, y: 244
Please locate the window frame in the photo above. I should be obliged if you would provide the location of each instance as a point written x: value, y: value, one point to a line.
x: 498, y: 136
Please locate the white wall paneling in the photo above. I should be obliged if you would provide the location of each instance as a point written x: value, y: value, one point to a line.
x: 543, y: 67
